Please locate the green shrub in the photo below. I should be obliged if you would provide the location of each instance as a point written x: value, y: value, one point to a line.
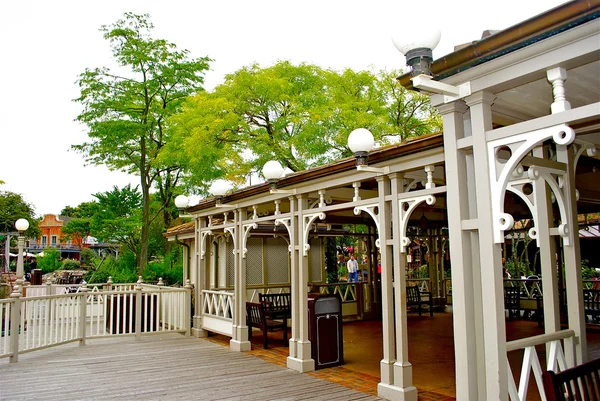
x: 87, y: 256
x: 119, y: 269
x: 50, y: 261
x: 70, y: 264
x: 171, y: 273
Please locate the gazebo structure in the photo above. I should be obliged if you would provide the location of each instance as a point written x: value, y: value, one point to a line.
x: 521, y: 114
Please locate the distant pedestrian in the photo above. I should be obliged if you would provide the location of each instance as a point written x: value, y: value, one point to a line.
x: 352, y: 267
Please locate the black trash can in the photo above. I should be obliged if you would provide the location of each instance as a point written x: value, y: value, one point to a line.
x: 325, y: 330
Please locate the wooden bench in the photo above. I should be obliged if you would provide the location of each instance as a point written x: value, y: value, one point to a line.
x: 256, y: 317
x: 576, y: 384
x: 414, y: 298
x: 591, y: 304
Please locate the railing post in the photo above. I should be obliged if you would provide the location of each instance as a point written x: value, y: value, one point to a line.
x: 109, y: 284
x: 83, y: 290
x: 15, y: 321
x: 49, y: 286
x: 187, y: 309
x: 138, y: 309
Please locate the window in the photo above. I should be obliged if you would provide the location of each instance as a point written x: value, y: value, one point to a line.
x: 44, y: 241
x: 53, y: 239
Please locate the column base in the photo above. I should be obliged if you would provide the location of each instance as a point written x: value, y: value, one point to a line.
x: 390, y: 392
x: 200, y: 333
x: 299, y: 365
x: 241, y: 346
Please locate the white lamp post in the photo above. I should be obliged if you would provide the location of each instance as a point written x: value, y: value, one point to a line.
x: 21, y: 225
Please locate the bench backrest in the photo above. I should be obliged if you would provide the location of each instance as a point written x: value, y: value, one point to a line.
x: 413, y: 294
x: 512, y: 296
x: 276, y: 302
x: 591, y: 299
x: 576, y: 384
x: 254, y: 314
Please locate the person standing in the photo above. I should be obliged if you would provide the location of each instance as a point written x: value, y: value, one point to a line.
x: 352, y: 267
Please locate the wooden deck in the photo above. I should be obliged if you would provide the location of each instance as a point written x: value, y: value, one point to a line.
x: 160, y: 367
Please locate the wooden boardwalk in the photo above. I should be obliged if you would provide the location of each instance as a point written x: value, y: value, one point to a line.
x: 160, y: 367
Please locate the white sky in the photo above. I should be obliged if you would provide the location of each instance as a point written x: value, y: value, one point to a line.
x: 47, y: 44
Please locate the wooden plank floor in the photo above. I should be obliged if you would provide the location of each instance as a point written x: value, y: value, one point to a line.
x: 160, y: 367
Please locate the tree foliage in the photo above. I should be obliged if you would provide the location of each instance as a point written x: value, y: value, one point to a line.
x: 14, y: 207
x: 300, y: 115
x: 126, y: 112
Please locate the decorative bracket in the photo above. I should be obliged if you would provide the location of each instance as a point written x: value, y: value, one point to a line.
x: 231, y: 231
x: 308, y: 219
x: 287, y: 223
x: 370, y: 210
x: 404, y: 215
x: 247, y: 228
x: 501, y: 171
x: 203, y: 236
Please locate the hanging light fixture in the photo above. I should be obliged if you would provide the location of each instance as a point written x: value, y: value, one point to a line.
x: 423, y: 222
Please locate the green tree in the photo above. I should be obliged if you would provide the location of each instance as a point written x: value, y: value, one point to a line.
x: 300, y: 115
x: 119, y: 218
x: 126, y: 112
x: 14, y: 207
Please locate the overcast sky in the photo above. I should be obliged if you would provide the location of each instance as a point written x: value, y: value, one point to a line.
x: 47, y: 44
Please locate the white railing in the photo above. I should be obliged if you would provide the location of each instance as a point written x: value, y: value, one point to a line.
x: 217, y: 311
x: 531, y: 363
x: 32, y: 323
x: 423, y: 283
x: 252, y: 293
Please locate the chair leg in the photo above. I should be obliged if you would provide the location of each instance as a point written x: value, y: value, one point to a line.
x: 285, y: 331
x: 431, y: 308
x: 265, y: 338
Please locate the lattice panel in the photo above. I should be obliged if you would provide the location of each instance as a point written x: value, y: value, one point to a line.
x: 315, y: 260
x: 278, y: 261
x: 254, y: 261
x: 230, y: 261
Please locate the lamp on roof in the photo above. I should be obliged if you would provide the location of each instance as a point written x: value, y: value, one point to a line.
x: 181, y: 202
x: 419, y: 56
x: 418, y: 51
x: 272, y: 171
x: 218, y: 189
x: 361, y: 142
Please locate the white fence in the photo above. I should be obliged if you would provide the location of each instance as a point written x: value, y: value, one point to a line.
x: 556, y: 343
x: 32, y: 323
x: 217, y: 311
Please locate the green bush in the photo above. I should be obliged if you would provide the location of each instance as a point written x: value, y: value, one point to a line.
x: 50, y: 261
x: 121, y: 270
x: 171, y: 273
x: 70, y: 264
x: 87, y: 256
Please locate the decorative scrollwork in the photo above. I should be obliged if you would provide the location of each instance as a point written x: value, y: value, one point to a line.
x: 404, y: 215
x: 370, y: 210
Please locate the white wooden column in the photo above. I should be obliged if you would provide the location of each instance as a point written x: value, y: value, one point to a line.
x: 302, y: 361
x: 492, y: 278
x: 201, y: 280
x: 385, y: 388
x: 466, y: 339
x: 240, y: 342
x: 546, y: 243
x: 572, y: 259
x: 293, y: 249
x: 404, y: 389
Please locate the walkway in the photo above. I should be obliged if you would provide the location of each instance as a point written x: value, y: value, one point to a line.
x: 160, y: 367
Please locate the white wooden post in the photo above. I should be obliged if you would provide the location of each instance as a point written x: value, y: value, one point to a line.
x: 294, y: 255
x: 490, y: 254
x: 460, y: 223
x: 202, y: 278
x: 83, y: 290
x: 187, y: 308
x: 15, y: 321
x: 49, y: 286
x: 138, y: 309
x: 387, y: 303
x: 402, y: 367
x: 109, y: 284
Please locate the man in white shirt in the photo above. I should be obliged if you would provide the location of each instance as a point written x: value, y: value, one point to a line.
x: 352, y: 266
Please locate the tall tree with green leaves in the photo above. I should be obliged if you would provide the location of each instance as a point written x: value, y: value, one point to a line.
x: 14, y: 207
x: 126, y: 111
x: 300, y: 115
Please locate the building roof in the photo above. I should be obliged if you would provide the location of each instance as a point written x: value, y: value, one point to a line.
x: 540, y: 27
